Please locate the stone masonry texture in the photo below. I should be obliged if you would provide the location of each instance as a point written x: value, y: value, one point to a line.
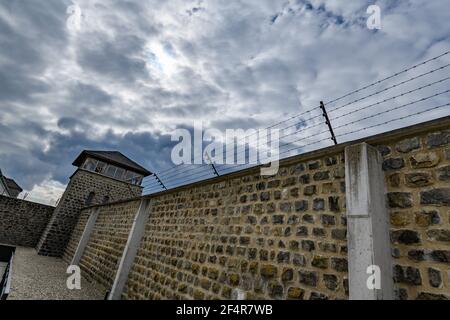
x: 22, y: 222
x: 75, y: 238
x: 261, y: 235
x: 107, y: 242
x: 283, y: 237
x: 417, y: 175
x: 59, y: 230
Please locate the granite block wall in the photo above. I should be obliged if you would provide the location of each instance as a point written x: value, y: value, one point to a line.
x: 418, y: 178
x: 22, y: 222
x: 77, y: 233
x: 107, y: 242
x: 282, y: 237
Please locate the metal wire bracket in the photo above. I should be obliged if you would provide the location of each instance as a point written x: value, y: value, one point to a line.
x: 325, y: 114
x: 212, y: 165
x: 159, y: 181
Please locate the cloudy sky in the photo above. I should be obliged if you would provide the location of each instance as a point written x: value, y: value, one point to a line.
x: 136, y: 70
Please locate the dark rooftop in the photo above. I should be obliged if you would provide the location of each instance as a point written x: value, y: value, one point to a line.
x: 113, y: 157
x: 12, y: 184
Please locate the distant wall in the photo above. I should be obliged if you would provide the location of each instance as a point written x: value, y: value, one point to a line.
x: 59, y: 230
x: 22, y: 222
x: 284, y: 237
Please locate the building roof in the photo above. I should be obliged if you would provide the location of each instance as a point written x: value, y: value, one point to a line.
x: 3, y: 182
x: 113, y: 157
x: 12, y: 184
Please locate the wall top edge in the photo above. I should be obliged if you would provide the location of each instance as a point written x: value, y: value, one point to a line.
x: 416, y: 129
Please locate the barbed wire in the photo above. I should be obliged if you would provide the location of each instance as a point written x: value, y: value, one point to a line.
x: 196, y: 175
x: 389, y: 77
x: 393, y: 98
x: 188, y: 173
x: 397, y: 119
x: 389, y: 88
x: 236, y: 154
x: 161, y: 173
x: 360, y: 129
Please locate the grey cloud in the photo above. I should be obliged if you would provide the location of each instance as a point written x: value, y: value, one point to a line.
x: 236, y: 123
x: 112, y: 60
x: 16, y: 85
x: 188, y: 110
x: 89, y: 94
x: 25, y: 57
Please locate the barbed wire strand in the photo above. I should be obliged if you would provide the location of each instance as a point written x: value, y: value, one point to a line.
x: 388, y: 88
x: 389, y: 77
x: 353, y: 102
x: 339, y: 135
x: 236, y: 153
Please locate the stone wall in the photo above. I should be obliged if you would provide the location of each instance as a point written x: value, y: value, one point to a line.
x: 418, y: 178
x: 58, y: 232
x: 107, y: 242
x: 22, y: 222
x: 284, y: 237
x: 77, y: 232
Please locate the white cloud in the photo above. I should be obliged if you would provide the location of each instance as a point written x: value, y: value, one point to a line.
x: 47, y: 192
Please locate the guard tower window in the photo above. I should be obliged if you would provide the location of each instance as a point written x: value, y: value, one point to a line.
x: 101, y: 166
x: 111, y: 171
x: 128, y: 176
x: 90, y: 198
x: 2, y: 189
x: 133, y: 178
x: 111, y: 164
x: 119, y: 173
x: 90, y: 164
x: 137, y: 180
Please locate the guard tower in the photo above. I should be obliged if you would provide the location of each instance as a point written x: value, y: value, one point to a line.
x: 100, y: 177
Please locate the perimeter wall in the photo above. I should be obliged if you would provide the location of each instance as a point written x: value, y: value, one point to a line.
x: 283, y: 237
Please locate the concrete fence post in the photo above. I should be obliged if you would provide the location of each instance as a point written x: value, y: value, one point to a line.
x: 369, y: 249
x: 84, y: 240
x: 131, y: 248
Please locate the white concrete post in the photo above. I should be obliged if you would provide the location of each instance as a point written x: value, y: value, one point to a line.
x: 369, y: 247
x: 85, y: 237
x: 131, y: 248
